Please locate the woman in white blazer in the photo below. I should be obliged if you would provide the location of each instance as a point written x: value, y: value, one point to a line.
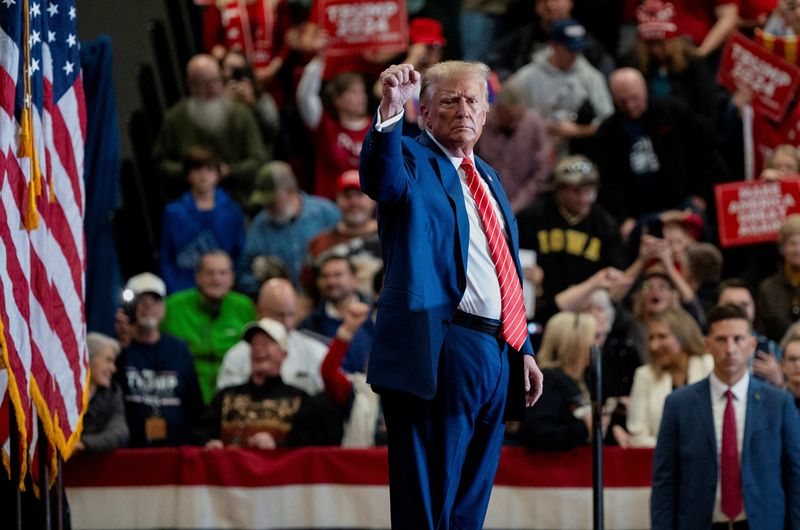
x: 676, y: 357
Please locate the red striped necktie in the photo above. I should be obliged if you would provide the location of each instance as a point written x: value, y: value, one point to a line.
x: 730, y: 479
x: 515, y: 329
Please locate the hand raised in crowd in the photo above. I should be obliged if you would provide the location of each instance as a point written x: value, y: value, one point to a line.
x: 123, y: 327
x: 768, y: 368
x: 609, y: 278
x: 261, y: 440
x: 354, y: 315
x: 399, y: 83
x: 241, y: 90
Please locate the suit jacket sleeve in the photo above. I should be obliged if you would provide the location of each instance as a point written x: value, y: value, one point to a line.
x: 385, y: 175
x: 663, y: 501
x: 791, y: 459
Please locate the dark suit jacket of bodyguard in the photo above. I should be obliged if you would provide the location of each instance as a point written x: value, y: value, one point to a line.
x: 685, y: 466
x: 424, y: 234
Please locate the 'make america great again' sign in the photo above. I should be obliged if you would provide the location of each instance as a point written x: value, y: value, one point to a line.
x: 356, y: 26
x: 770, y: 79
x: 753, y: 212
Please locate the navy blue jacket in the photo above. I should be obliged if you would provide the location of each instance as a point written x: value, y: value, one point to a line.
x: 424, y: 233
x: 685, y: 461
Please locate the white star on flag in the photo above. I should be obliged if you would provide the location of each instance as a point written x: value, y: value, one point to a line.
x: 72, y: 13
x: 9, y: 3
x: 51, y: 36
x: 71, y: 40
x: 53, y: 9
x: 35, y: 10
x: 68, y: 68
x: 35, y: 38
x: 34, y: 65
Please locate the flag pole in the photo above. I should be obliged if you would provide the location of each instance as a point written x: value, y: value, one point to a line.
x: 15, y: 467
x: 59, y: 494
x: 597, y: 437
x: 44, y: 477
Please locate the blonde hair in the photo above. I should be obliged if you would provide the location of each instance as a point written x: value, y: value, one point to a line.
x: 567, y: 338
x: 683, y: 327
x: 679, y: 51
x: 95, y: 342
x: 449, y: 70
x: 785, y: 149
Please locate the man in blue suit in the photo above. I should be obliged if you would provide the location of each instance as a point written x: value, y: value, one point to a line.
x: 728, y: 451
x: 451, y: 356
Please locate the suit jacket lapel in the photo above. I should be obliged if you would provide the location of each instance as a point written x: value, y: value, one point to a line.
x: 448, y: 176
x: 706, y: 416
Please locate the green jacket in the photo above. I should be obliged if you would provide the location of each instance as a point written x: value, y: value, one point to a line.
x: 208, y: 337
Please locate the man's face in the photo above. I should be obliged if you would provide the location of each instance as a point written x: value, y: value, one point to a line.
x: 205, y: 81
x: 336, y: 281
x: 630, y: 98
x: 281, y: 308
x: 732, y: 345
x: 553, y: 10
x: 266, y: 357
x: 150, y: 310
x: 561, y: 57
x: 214, y: 278
x: 356, y: 207
x: 739, y: 296
x: 455, y: 113
x: 577, y: 199
x: 791, y: 363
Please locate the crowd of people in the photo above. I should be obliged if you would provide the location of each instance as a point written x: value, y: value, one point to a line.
x: 256, y: 330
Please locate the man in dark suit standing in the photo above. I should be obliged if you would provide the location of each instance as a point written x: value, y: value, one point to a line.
x: 451, y: 355
x: 728, y: 451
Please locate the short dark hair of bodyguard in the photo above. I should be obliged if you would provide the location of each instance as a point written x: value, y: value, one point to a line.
x: 725, y: 312
x: 447, y: 70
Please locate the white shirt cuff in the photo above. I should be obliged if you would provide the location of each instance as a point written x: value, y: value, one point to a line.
x: 388, y: 125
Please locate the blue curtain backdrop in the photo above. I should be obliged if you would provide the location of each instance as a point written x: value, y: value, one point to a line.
x: 101, y: 176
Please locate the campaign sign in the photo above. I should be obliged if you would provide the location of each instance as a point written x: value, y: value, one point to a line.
x: 770, y: 79
x: 356, y: 26
x: 753, y: 212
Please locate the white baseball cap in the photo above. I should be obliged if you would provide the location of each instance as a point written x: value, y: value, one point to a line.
x: 274, y: 330
x: 146, y: 282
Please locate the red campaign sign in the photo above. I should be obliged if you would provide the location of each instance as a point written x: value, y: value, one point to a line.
x: 356, y: 26
x: 772, y: 80
x: 753, y: 212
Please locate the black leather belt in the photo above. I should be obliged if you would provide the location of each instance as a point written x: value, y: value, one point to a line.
x: 731, y: 525
x: 490, y: 326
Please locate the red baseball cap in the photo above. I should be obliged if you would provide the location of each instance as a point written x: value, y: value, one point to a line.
x: 348, y: 180
x: 426, y: 31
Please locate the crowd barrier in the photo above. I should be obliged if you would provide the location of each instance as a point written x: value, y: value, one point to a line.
x: 315, y: 487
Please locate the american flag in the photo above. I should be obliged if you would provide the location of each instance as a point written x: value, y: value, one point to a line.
x: 42, y: 250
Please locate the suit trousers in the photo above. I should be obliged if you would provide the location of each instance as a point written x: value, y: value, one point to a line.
x: 444, y: 452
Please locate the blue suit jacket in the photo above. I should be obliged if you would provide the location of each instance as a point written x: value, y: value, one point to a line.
x: 685, y: 461
x: 424, y: 233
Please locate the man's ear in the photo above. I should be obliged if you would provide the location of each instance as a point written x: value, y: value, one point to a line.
x: 424, y: 112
